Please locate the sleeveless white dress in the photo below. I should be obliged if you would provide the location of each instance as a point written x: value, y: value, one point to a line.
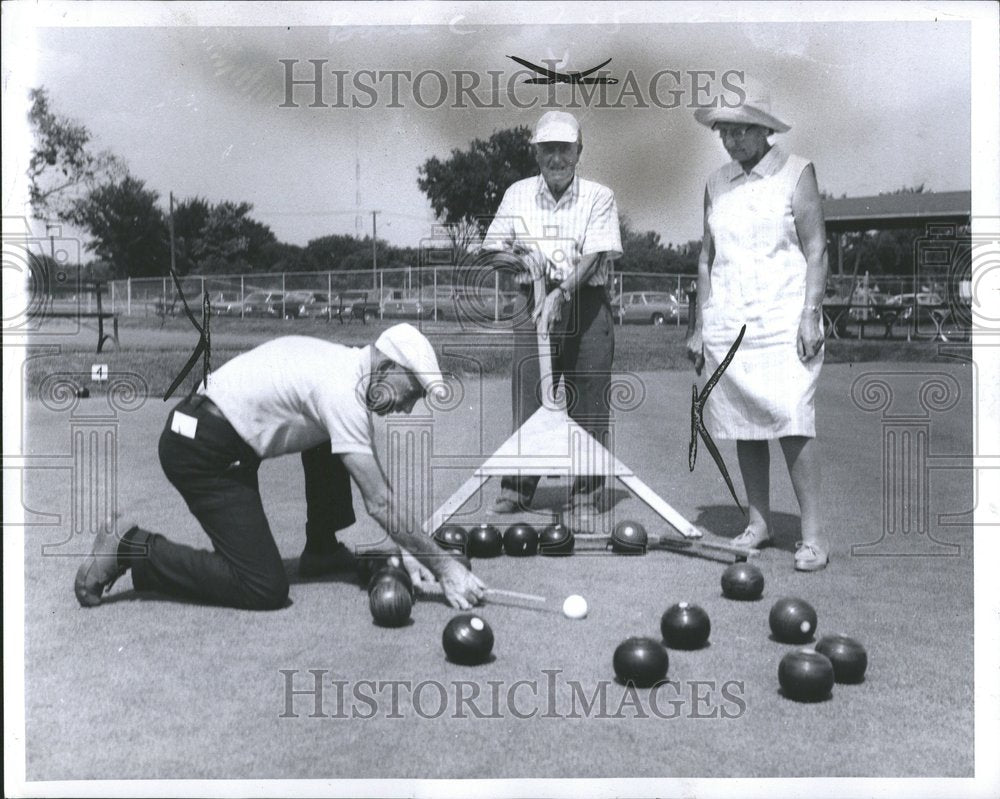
x: 758, y: 278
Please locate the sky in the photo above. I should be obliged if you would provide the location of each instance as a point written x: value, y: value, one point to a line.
x: 196, y: 109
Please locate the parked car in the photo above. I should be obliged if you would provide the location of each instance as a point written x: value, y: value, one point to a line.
x: 468, y: 304
x: 307, y: 304
x: 264, y: 304
x: 397, y: 304
x: 649, y: 307
x: 353, y: 304
x: 223, y: 303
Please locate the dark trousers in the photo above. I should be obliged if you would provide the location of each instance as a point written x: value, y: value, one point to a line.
x: 216, y: 473
x: 583, y: 348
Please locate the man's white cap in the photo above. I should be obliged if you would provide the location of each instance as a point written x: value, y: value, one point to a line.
x: 410, y: 348
x: 556, y: 126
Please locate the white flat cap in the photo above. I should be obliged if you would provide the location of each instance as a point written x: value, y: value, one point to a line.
x: 410, y: 348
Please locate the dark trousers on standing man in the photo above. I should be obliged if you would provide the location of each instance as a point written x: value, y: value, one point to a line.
x: 216, y: 473
x: 583, y: 349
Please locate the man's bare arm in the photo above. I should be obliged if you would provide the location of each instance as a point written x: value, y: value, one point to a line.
x: 398, y: 522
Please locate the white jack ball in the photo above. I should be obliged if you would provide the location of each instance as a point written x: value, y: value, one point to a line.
x: 575, y: 607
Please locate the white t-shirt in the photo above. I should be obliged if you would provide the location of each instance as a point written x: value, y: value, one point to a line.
x: 295, y: 392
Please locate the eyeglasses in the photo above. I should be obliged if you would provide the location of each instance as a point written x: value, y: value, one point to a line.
x: 737, y: 132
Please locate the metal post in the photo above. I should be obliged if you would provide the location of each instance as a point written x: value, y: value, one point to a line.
x: 375, y: 278
x: 379, y: 291
x: 621, y: 300
x: 435, y: 292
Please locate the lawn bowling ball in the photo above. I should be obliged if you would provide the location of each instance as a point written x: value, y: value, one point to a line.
x: 452, y: 536
x: 83, y: 392
x: 556, y: 539
x: 685, y: 626
x: 390, y: 601
x: 742, y: 581
x: 467, y: 639
x: 397, y: 573
x: 371, y: 562
x: 520, y: 540
x: 629, y: 538
x: 847, y: 655
x: 575, y: 607
x: 641, y: 661
x: 805, y: 676
x: 793, y: 621
x: 485, y: 541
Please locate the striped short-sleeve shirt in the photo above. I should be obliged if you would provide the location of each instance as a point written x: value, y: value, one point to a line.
x: 583, y: 221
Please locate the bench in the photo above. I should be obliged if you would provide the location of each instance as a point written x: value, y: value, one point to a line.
x: 837, y: 315
x: 358, y: 308
x: 87, y: 287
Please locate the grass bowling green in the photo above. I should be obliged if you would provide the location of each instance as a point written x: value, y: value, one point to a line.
x: 148, y: 688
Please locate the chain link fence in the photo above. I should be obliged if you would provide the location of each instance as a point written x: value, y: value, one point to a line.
x: 438, y: 292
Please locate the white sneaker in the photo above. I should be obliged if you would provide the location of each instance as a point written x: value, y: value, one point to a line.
x: 810, y: 557
x: 752, y: 539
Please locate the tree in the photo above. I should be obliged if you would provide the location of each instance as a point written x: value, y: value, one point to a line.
x: 465, y: 190
x: 190, y: 218
x: 127, y: 227
x: 62, y: 168
x: 213, y: 239
x: 644, y: 252
x: 280, y: 257
x: 882, y: 252
x: 329, y: 252
x: 230, y: 240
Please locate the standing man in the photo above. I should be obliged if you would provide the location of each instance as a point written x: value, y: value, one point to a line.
x: 569, y: 227
x: 291, y: 395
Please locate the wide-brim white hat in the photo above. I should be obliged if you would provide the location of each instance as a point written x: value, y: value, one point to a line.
x: 754, y: 110
x: 410, y: 348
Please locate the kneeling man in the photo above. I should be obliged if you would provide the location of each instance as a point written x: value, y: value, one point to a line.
x: 294, y: 394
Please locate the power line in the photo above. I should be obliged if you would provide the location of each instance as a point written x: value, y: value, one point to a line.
x: 344, y: 212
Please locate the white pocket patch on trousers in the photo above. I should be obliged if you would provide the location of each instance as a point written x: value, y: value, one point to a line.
x: 183, y: 424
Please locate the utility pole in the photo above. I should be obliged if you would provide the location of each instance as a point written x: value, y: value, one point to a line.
x: 374, y: 255
x: 51, y: 231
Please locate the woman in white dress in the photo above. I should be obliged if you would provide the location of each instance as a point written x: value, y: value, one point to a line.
x: 764, y: 264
